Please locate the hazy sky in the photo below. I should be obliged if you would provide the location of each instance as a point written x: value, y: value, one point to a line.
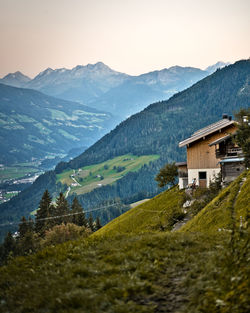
x: 132, y: 36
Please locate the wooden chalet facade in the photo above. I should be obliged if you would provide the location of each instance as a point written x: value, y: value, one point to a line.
x: 203, y: 164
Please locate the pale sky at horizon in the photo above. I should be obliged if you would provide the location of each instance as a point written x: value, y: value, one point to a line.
x: 131, y: 36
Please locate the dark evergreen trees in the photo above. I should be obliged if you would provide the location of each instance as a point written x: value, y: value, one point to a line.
x: 8, y: 247
x: 78, y: 216
x: 98, y: 224
x: 91, y: 222
x: 61, y: 211
x: 43, y: 213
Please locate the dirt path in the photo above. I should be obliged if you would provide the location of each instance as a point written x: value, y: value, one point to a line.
x: 179, y: 224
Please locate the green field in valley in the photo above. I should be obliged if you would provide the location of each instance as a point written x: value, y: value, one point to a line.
x: 15, y: 172
x: 87, y: 178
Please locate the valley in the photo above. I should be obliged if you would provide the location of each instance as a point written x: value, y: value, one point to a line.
x: 13, y: 179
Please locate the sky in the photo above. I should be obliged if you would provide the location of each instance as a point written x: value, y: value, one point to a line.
x: 131, y: 36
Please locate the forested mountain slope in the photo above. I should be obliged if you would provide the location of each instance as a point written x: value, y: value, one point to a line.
x: 156, y: 130
x: 34, y: 125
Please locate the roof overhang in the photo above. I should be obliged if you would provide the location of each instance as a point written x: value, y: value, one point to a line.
x: 202, y: 133
x: 216, y: 142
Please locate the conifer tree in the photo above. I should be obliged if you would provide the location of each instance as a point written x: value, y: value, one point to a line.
x: 43, y: 212
x: 23, y: 227
x: 98, y: 224
x: 61, y: 209
x: 91, y: 222
x: 9, y: 246
x: 25, y: 240
x: 78, y: 219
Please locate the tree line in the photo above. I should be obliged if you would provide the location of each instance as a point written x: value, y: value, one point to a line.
x: 54, y: 223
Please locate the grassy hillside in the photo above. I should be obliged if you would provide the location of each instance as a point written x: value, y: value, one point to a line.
x: 90, y: 177
x: 134, y: 264
x: 157, y: 214
x: 230, y: 207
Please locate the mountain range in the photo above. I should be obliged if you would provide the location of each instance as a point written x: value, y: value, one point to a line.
x: 155, y: 130
x: 102, y: 88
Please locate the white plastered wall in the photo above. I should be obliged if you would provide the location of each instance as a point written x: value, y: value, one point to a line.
x: 182, y: 183
x: 194, y: 173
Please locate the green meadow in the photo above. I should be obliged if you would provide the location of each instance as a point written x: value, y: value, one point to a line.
x: 90, y: 177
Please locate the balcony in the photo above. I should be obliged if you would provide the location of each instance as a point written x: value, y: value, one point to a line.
x: 229, y: 152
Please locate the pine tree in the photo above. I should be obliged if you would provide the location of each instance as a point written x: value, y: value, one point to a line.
x: 79, y: 218
x: 91, y: 222
x: 23, y: 227
x: 9, y: 246
x: 42, y: 213
x: 61, y: 209
x: 25, y: 241
x: 98, y: 224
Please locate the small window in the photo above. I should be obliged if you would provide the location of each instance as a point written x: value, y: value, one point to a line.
x: 202, y: 175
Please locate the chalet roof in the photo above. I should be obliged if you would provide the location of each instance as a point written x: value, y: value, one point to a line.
x: 219, y: 140
x: 210, y: 129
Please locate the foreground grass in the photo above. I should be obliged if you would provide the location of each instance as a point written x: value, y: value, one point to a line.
x: 125, y: 274
x: 135, y: 264
x: 164, y: 272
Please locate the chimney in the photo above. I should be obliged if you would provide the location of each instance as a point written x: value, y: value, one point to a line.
x: 225, y: 116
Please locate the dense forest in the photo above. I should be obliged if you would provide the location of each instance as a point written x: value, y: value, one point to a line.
x: 155, y: 130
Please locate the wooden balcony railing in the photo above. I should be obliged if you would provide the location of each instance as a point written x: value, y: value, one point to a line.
x: 228, y: 152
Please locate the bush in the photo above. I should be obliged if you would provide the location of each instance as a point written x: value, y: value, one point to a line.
x: 61, y: 233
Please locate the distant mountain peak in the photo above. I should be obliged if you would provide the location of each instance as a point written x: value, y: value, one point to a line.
x: 16, y: 79
x: 220, y: 64
x: 45, y: 72
x: 17, y: 74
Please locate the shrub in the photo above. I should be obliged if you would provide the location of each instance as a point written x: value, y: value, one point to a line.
x: 64, y: 232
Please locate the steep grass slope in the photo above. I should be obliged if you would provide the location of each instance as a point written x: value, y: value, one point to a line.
x: 155, y: 215
x: 230, y: 207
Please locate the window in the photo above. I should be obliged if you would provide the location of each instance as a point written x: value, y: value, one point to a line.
x: 202, y: 175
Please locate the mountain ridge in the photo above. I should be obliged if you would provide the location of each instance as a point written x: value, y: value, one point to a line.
x: 99, y: 86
